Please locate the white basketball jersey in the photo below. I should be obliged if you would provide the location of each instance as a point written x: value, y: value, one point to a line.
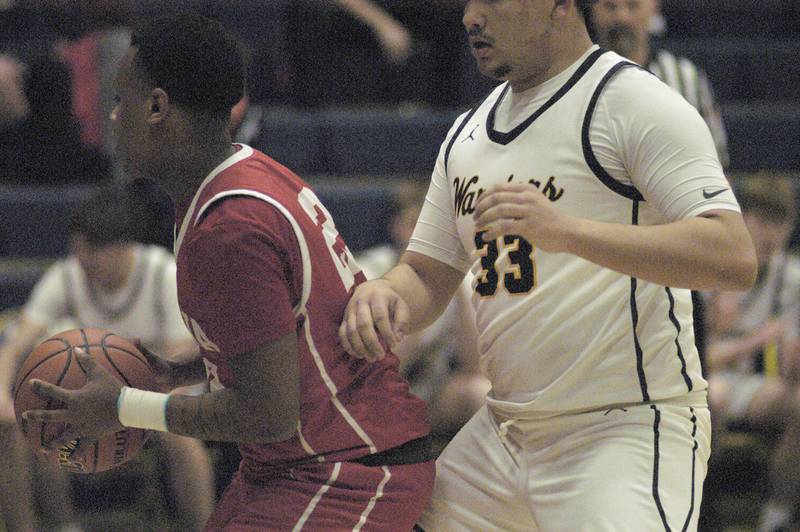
x: 558, y: 332
x: 145, y: 308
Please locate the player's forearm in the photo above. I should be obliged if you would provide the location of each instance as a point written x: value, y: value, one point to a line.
x: 713, y: 253
x: 425, y: 286
x: 223, y: 416
x: 189, y: 371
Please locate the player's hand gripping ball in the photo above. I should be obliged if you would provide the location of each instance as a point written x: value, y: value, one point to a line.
x: 55, y: 361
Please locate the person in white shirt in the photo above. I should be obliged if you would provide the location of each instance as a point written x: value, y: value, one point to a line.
x: 110, y: 281
x: 587, y: 199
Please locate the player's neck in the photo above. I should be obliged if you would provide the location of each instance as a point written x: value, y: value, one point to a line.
x: 196, y: 160
x: 123, y: 273
x: 571, y: 47
x: 641, y: 55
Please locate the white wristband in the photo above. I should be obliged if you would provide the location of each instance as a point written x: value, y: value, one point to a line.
x: 142, y: 409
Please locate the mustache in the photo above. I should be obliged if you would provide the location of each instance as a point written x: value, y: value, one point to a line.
x: 478, y: 34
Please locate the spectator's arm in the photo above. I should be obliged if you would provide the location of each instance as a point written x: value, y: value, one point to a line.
x: 725, y: 352
x: 25, y: 333
x: 394, y: 38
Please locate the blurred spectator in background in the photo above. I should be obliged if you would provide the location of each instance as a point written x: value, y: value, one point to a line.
x: 381, y: 52
x: 626, y: 26
x: 441, y: 362
x: 40, y: 139
x: 112, y: 282
x: 754, y: 353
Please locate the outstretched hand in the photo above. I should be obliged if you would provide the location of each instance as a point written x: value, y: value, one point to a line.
x: 89, y: 412
x: 376, y: 317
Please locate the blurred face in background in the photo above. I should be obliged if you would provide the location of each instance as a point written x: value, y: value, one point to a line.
x: 623, y: 25
x: 105, y: 266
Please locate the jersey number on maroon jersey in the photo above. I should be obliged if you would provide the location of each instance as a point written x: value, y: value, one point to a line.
x: 342, y: 258
x: 520, y: 275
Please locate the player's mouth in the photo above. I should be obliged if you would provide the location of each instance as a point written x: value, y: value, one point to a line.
x: 480, y: 47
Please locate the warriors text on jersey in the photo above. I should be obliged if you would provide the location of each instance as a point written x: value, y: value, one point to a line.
x: 258, y: 257
x: 601, y: 142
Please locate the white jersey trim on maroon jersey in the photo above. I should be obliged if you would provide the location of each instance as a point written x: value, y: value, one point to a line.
x: 335, y: 391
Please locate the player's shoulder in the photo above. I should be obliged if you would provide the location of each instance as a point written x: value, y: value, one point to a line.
x: 636, y: 90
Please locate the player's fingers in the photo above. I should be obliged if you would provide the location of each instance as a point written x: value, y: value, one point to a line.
x: 49, y: 391
x: 383, y: 323
x: 354, y: 337
x: 498, y: 228
x: 365, y: 324
x: 507, y: 193
x: 344, y: 340
x: 46, y: 416
x: 401, y: 316
x: 88, y: 364
x: 498, y: 212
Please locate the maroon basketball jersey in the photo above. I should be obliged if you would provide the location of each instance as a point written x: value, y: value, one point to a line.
x: 259, y: 256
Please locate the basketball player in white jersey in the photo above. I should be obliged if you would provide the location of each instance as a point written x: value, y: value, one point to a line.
x: 110, y: 281
x: 587, y: 199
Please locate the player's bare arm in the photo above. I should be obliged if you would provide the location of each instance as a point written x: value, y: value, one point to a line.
x: 406, y: 299
x: 709, y: 252
x: 262, y: 407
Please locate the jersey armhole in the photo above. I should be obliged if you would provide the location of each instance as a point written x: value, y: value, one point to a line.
x: 300, y: 308
x: 607, y: 179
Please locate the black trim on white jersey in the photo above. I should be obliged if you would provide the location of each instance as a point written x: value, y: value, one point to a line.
x: 499, y: 137
x: 456, y: 134
x: 627, y: 191
x: 677, y: 325
x: 656, y: 456
x: 694, y: 462
x: 635, y: 320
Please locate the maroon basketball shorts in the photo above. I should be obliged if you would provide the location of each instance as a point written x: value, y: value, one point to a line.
x: 326, y: 497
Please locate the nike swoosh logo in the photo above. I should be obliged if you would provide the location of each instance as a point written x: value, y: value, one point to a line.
x: 709, y: 195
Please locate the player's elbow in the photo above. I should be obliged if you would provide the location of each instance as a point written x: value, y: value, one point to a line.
x: 740, y: 271
x: 275, y: 425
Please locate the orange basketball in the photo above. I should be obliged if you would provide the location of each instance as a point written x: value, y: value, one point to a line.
x: 53, y: 361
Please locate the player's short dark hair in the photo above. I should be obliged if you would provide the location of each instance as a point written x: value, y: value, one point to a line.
x: 105, y: 217
x: 771, y: 197
x: 194, y: 59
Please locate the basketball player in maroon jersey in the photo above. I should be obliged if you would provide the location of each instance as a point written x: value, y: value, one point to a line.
x: 328, y: 442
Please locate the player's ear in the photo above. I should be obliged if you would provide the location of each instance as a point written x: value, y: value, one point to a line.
x: 159, y: 106
x: 561, y: 7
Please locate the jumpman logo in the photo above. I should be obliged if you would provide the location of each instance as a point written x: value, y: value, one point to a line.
x: 470, y: 137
